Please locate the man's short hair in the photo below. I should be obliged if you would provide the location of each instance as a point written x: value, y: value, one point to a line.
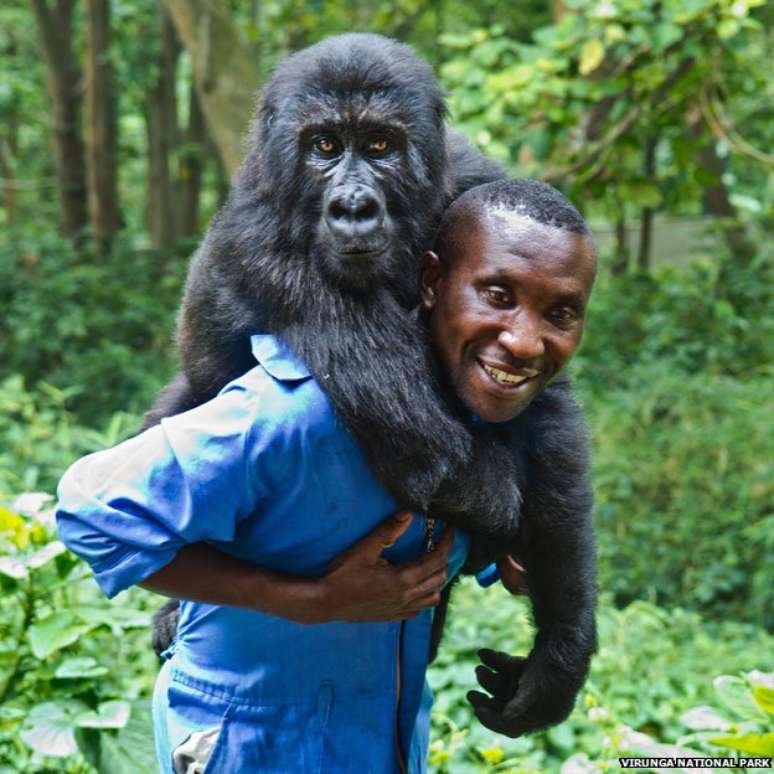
x: 532, y: 198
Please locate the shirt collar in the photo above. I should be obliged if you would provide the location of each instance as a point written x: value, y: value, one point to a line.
x: 277, y: 358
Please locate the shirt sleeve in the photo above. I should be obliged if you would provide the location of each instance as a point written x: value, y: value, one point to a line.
x: 128, y: 510
x: 488, y: 576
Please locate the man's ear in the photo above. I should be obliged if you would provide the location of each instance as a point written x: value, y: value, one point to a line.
x: 429, y: 278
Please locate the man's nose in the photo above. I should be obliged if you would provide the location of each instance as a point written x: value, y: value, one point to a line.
x: 522, y: 338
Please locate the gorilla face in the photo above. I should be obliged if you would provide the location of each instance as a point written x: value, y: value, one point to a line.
x: 354, y: 168
x: 353, y: 149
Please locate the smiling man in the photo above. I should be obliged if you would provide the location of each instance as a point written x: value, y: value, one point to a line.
x: 505, y: 293
x: 504, y: 297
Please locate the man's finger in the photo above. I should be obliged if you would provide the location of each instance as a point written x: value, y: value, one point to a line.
x: 429, y: 586
x: 385, y: 535
x: 428, y: 564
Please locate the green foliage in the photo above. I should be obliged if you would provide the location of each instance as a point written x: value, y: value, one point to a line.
x: 39, y: 437
x: 97, y: 327
x: 652, y: 666
x: 672, y: 373
x: 75, y: 671
x: 580, y: 103
x: 745, y: 721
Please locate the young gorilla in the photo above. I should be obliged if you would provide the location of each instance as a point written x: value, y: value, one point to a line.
x: 343, y: 187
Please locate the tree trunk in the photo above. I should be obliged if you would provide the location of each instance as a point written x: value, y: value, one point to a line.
x: 163, y: 134
x: 224, y: 73
x: 646, y: 225
x: 101, y: 123
x: 191, y: 168
x: 620, y: 262
x: 717, y: 202
x: 63, y: 80
x: 716, y: 199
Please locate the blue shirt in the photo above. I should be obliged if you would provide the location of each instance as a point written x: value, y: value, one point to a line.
x: 267, y: 473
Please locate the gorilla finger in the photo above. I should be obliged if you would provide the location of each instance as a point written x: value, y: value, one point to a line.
x: 494, y: 683
x: 493, y: 721
x: 502, y: 662
x: 481, y: 700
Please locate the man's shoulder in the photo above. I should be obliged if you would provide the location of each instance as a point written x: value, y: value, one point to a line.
x: 282, y: 402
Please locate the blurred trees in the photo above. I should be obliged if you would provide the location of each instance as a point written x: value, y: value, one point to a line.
x: 631, y: 106
x: 63, y: 76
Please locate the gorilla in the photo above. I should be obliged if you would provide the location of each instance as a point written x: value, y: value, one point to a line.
x: 348, y: 171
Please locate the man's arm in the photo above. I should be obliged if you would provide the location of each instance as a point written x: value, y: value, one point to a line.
x: 359, y: 585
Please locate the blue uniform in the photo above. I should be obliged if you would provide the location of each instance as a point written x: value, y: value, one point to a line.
x: 264, y: 472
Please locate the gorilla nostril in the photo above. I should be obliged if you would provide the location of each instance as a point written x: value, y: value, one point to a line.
x: 353, y: 206
x: 368, y: 210
x: 337, y: 210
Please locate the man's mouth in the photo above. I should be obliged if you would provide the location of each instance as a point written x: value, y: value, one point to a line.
x: 508, y: 378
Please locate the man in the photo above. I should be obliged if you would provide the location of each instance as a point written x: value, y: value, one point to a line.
x: 303, y: 650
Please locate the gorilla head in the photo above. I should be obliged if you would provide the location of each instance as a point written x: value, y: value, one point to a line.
x: 349, y: 147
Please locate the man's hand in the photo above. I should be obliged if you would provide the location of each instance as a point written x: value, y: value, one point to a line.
x: 361, y: 585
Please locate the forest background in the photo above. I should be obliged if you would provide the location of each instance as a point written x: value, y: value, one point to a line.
x: 121, y: 124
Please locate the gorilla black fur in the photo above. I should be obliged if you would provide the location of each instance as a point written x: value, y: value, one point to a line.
x: 269, y: 263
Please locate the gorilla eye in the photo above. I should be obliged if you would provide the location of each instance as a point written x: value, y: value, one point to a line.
x: 379, y: 146
x: 326, y: 145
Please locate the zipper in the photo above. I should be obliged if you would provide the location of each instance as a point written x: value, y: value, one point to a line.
x: 428, y: 545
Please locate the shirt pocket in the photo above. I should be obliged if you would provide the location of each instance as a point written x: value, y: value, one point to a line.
x: 233, y: 734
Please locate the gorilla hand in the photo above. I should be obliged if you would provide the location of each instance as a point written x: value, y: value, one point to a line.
x: 527, y: 694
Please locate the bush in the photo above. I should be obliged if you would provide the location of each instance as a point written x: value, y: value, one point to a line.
x: 40, y: 438
x: 684, y: 486
x: 75, y: 671
x: 97, y: 326
x: 673, y: 374
x: 653, y: 665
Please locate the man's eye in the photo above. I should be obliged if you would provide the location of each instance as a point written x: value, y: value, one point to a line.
x: 563, y: 315
x: 497, y: 296
x: 379, y: 146
x: 327, y: 146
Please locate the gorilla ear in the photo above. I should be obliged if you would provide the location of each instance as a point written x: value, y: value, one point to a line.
x: 430, y: 272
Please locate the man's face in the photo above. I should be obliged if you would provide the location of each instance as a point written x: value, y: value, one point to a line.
x: 507, y: 312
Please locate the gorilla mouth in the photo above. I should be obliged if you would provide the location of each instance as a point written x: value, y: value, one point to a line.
x: 364, y: 251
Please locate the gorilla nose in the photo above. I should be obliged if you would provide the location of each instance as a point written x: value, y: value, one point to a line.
x: 354, y: 213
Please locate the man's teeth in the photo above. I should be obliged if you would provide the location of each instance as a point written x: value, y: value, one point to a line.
x: 504, y: 377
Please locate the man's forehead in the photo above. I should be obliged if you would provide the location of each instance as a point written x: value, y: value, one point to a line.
x: 497, y: 238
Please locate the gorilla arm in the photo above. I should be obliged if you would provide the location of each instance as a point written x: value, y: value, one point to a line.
x: 556, y: 544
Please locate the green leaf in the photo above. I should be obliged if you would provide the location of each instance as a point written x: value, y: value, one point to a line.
x: 131, y: 750
x: 117, y: 618
x: 54, y: 632
x: 728, y: 28
x: 592, y: 54
x: 735, y: 694
x: 109, y: 714
x: 755, y: 744
x: 704, y: 718
x: 12, y: 568
x: 664, y: 35
x: 45, y: 555
x: 73, y: 668
x: 763, y: 690
x: 52, y: 729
